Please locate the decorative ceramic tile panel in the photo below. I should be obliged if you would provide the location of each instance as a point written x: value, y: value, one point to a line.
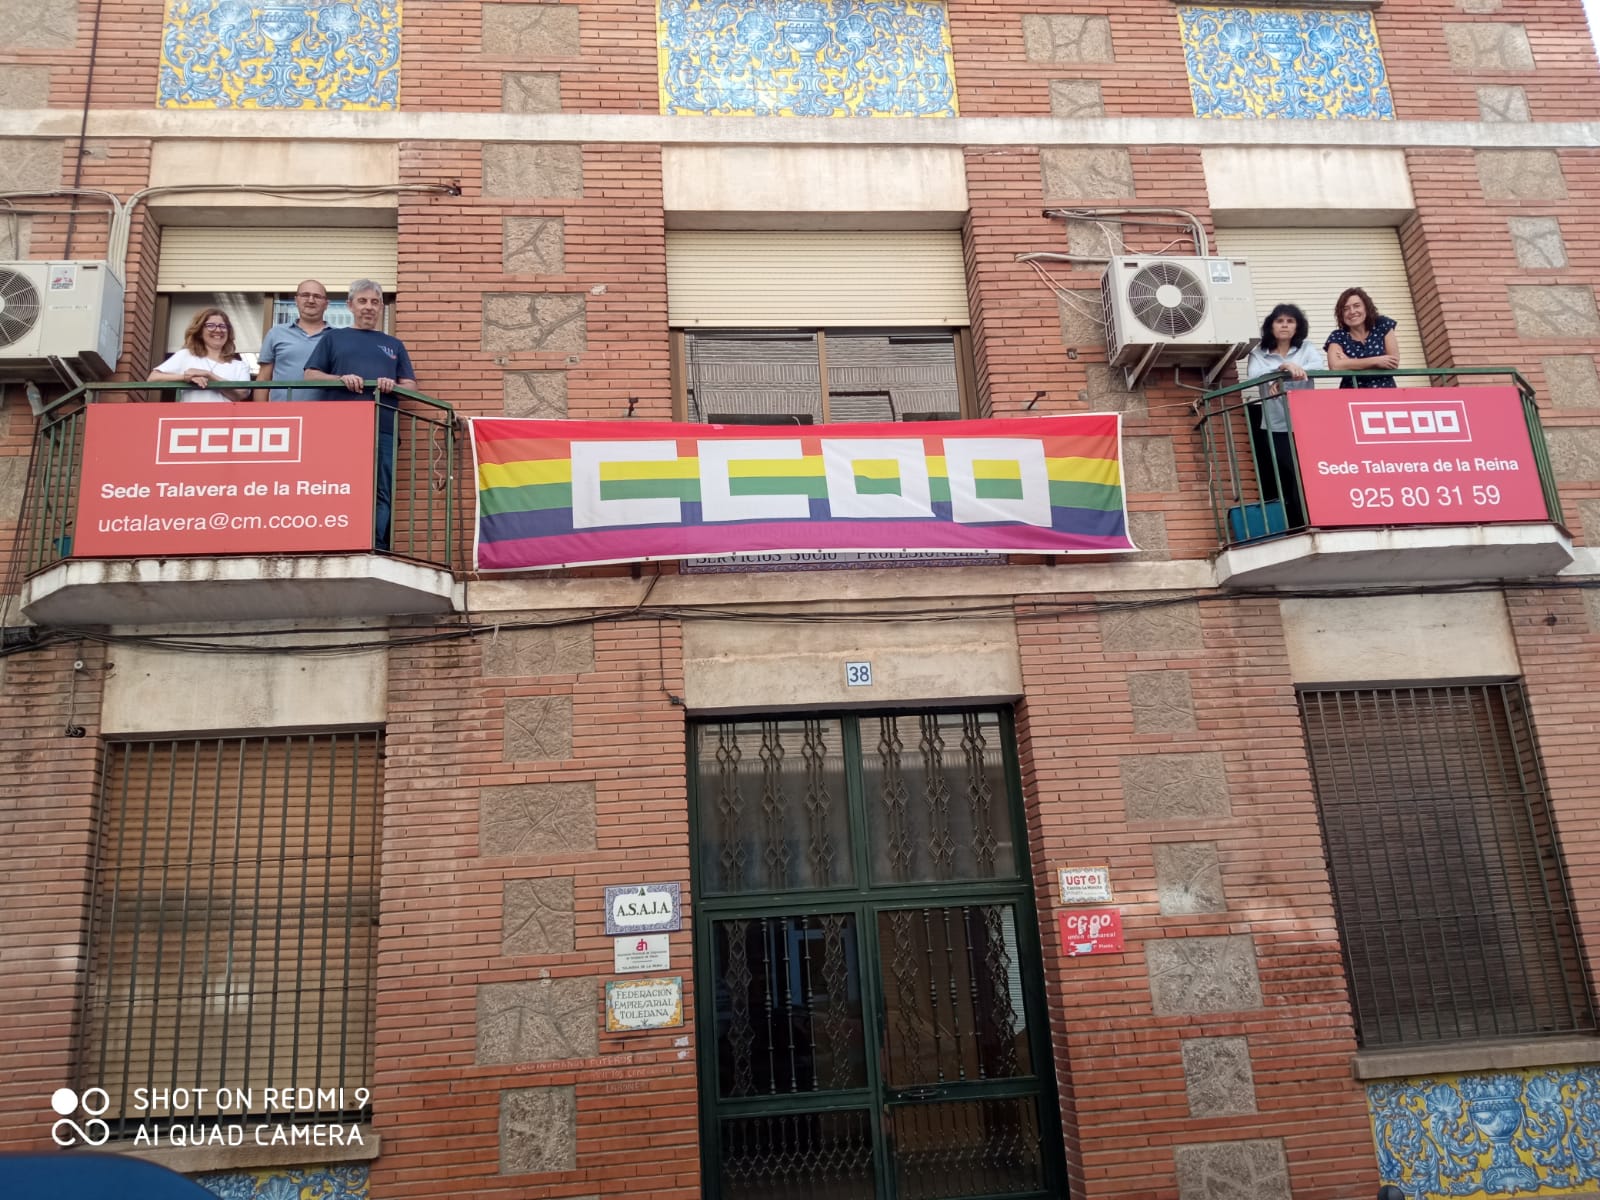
x: 295, y: 54
x: 1307, y: 64
x: 805, y: 58
x: 343, y: 1182
x: 1490, y: 1135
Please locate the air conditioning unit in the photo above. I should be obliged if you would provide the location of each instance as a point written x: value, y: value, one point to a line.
x: 59, y: 310
x: 1196, y: 312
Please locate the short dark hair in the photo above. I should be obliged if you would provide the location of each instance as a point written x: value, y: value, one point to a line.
x: 1302, y: 327
x: 1373, y: 315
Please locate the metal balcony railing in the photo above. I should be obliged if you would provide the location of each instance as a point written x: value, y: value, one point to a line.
x: 424, y: 526
x: 1255, y: 480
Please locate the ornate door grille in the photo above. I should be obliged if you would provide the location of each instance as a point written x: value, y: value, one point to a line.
x: 864, y: 920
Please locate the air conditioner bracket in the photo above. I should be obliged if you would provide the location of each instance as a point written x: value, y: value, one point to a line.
x: 1229, y: 355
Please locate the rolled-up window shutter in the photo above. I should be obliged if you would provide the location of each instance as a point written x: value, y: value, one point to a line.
x: 768, y: 280
x: 1310, y: 267
x: 252, y: 259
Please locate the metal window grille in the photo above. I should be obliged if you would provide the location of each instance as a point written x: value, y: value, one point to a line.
x: 1452, y: 901
x: 233, y: 930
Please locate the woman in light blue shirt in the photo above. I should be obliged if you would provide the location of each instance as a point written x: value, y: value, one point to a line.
x: 1283, y: 347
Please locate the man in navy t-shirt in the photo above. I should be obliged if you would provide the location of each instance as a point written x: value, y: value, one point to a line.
x: 354, y: 356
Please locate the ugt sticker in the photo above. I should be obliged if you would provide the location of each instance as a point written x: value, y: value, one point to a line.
x: 1084, y: 885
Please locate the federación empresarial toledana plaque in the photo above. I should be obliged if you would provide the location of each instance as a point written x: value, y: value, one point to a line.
x: 644, y: 1003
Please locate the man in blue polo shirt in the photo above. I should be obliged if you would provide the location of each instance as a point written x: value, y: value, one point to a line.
x: 286, y: 347
x: 354, y: 356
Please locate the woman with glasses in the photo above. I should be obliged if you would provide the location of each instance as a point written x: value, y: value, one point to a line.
x: 208, y: 357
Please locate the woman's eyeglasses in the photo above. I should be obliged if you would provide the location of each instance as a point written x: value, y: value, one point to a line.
x: 218, y: 328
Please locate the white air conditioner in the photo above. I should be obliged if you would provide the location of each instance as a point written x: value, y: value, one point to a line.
x: 1193, y: 312
x: 65, y: 310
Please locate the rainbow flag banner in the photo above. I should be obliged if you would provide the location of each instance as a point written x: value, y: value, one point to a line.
x: 576, y: 493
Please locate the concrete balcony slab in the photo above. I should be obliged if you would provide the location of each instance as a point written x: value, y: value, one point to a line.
x: 1397, y: 557
x: 147, y: 590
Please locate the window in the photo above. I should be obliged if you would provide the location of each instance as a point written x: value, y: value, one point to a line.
x: 805, y: 328
x: 233, y: 929
x: 782, y: 377
x: 251, y: 274
x: 252, y: 314
x: 1452, y: 902
x: 1310, y: 266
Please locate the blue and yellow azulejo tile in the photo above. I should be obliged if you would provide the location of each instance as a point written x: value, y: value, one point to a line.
x: 1307, y: 64
x: 345, y: 1181
x: 805, y: 58
x: 338, y: 54
x: 1499, y: 1134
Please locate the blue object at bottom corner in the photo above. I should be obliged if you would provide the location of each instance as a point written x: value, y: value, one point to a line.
x: 1247, y: 522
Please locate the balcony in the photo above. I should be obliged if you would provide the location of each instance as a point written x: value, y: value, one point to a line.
x: 141, y: 512
x: 1446, y: 482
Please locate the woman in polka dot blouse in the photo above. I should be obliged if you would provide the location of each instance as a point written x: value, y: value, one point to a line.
x: 1363, y: 341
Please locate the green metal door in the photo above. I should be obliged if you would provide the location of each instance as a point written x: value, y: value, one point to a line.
x: 870, y: 1007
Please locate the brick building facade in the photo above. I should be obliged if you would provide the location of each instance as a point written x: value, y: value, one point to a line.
x: 542, y: 179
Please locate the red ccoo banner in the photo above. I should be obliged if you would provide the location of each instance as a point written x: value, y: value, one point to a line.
x: 165, y: 480
x: 1415, y: 456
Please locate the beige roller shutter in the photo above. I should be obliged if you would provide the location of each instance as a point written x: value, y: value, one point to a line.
x: 766, y: 280
x: 273, y: 260
x: 1310, y: 267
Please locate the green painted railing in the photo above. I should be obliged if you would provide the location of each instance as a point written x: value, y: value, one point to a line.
x: 424, y: 525
x: 1248, y: 478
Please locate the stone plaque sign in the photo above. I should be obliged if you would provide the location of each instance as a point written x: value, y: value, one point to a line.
x: 644, y: 1003
x: 644, y: 908
x: 1085, y: 885
x: 646, y: 952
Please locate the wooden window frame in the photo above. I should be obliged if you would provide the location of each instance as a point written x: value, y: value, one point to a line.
x: 960, y: 335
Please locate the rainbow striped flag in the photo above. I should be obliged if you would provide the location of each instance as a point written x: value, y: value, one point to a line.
x: 577, y: 493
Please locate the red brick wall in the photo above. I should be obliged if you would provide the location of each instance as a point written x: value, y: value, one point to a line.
x: 1148, y: 79
x: 447, y: 67
x: 450, y: 257
x: 128, y: 56
x: 440, y: 935
x: 48, y: 783
x: 1127, y: 1104
x: 1465, y: 243
x: 1558, y: 642
x: 1016, y: 330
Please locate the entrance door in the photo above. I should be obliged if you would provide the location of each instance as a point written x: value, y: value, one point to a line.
x: 870, y: 1003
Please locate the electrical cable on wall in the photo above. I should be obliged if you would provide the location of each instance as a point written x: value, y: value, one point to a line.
x: 1019, y: 607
